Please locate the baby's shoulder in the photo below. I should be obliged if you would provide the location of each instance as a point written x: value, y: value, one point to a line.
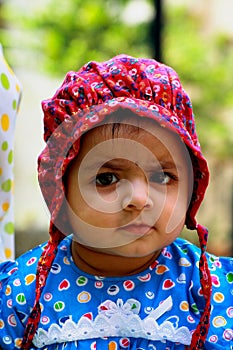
x: 221, y: 268
x: 20, y: 272
x: 218, y: 264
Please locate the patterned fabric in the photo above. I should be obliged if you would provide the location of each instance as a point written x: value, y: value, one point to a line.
x: 145, y: 87
x: 10, y: 97
x: 156, y: 309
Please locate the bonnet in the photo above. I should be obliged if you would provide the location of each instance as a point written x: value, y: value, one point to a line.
x: 145, y: 87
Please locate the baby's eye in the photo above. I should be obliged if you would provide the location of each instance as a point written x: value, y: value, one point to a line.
x: 161, y: 178
x: 106, y: 179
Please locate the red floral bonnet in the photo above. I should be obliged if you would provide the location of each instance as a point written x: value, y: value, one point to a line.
x: 145, y: 87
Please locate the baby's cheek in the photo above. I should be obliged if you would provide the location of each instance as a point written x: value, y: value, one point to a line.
x: 106, y: 196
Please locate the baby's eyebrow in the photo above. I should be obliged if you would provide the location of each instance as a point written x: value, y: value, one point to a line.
x: 101, y: 163
x: 116, y: 164
x: 162, y: 165
x: 125, y: 163
x: 121, y: 163
x: 169, y: 165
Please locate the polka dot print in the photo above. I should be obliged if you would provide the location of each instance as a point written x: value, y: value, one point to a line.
x: 9, y: 97
x: 81, y: 311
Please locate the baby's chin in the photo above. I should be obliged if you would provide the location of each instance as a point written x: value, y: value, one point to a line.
x: 126, y: 251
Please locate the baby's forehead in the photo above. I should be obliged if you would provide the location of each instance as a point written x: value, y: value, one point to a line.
x: 117, y: 129
x: 134, y: 127
x: 136, y: 139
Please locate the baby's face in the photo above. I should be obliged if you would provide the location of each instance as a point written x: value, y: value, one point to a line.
x: 128, y: 189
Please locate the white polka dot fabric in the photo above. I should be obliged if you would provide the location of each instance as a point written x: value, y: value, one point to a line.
x: 10, y: 93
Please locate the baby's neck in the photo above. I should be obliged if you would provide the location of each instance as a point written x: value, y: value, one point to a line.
x: 100, y: 264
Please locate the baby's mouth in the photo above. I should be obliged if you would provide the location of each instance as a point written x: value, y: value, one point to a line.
x: 137, y: 229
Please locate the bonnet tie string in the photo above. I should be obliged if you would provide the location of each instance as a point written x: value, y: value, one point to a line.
x: 44, y: 266
x: 200, y: 334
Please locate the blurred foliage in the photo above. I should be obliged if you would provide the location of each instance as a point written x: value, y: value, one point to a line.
x: 67, y: 34
x: 205, y: 66
x: 75, y: 31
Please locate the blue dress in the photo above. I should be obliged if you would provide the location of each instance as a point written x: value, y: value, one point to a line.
x: 158, y: 308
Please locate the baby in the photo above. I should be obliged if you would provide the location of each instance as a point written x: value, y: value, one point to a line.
x: 122, y: 173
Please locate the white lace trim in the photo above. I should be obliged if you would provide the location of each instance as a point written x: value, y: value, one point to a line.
x: 117, y: 320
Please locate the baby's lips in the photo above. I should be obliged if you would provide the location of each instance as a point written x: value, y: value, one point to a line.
x: 137, y: 229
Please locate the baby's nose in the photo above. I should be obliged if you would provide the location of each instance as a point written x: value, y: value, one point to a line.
x: 137, y: 197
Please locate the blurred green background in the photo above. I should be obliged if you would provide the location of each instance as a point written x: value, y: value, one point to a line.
x: 43, y: 40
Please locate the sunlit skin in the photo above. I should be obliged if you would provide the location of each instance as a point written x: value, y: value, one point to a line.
x: 129, y: 195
